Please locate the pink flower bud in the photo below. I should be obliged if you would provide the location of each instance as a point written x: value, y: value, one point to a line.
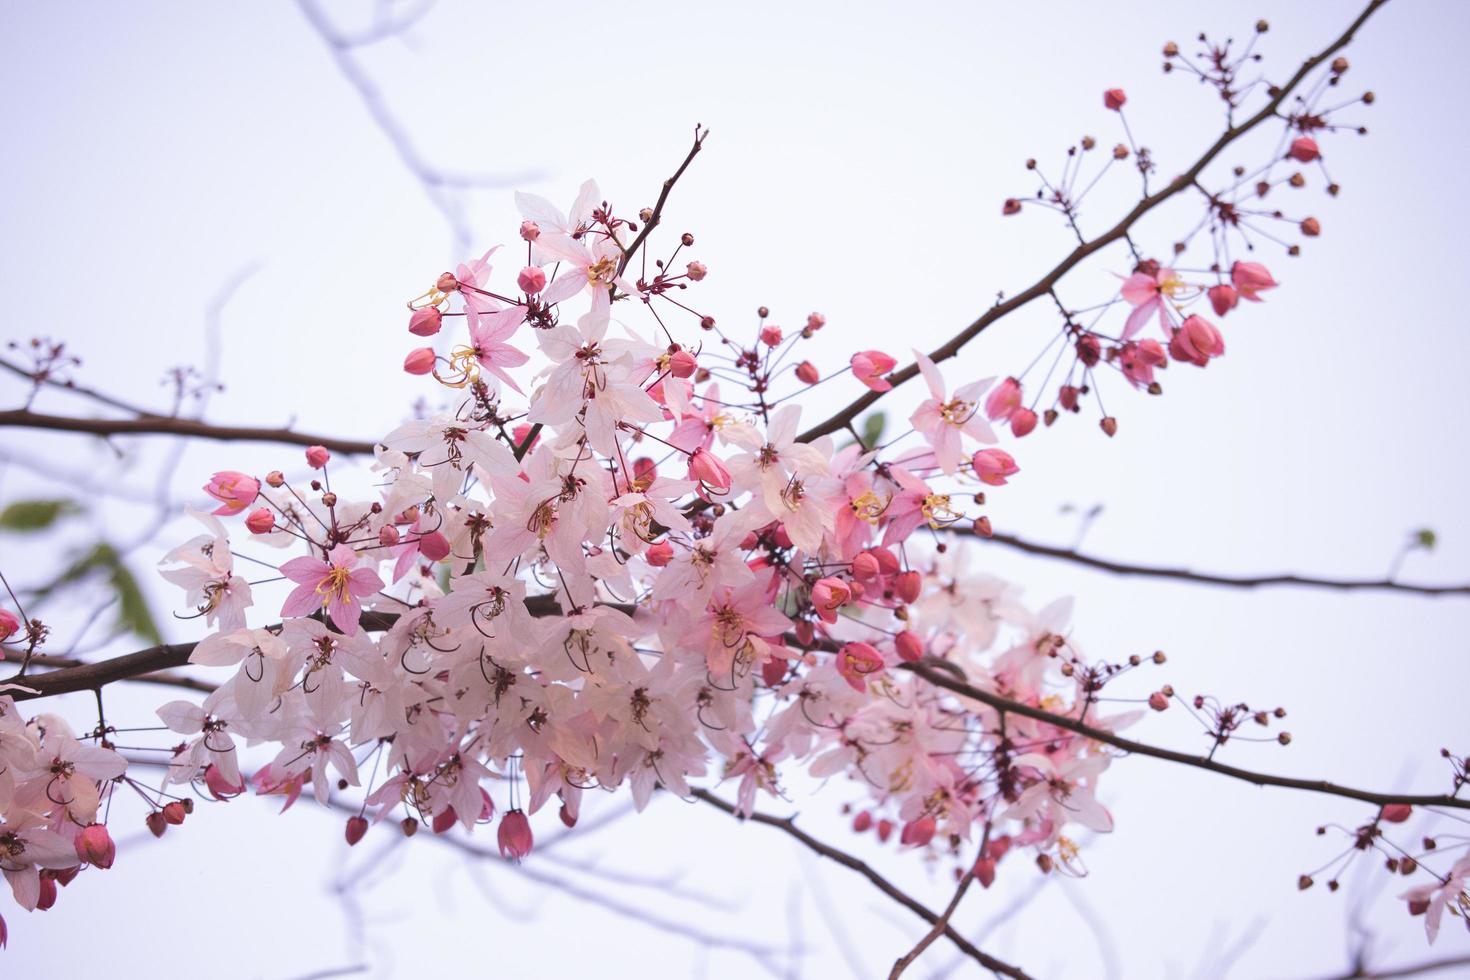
x: 1397, y: 812
x: 885, y: 830
x: 388, y: 535
x: 156, y: 824
x: 910, y: 647
x: 815, y: 322
x: 865, y: 567
x: 770, y: 336
x: 221, y: 787
x: 862, y: 822
x: 234, y: 490
x: 869, y: 366
x: 1067, y: 396
x: 985, y: 872
x: 531, y: 280
x: 1251, y: 278
x: 94, y: 846
x: 47, y: 897
x: 696, y: 271
x: 806, y: 373
x: 829, y: 595
x: 917, y: 833
x: 9, y: 624
x: 992, y: 466
x: 1114, y: 99
x: 434, y: 546
x: 174, y: 812
x: 530, y: 231
x: 887, y: 560
x: 260, y: 521
x: 317, y: 457
x: 425, y: 322
x: 1304, y: 149
x: 1003, y: 400
x: 708, y: 470
x: 419, y: 361
x: 682, y: 364
x: 1311, y: 227
x: 515, y: 835
x: 446, y: 283
x: 908, y: 585
x: 1223, y: 298
x: 1158, y: 701
x: 1010, y: 206
x: 659, y: 555
x: 1023, y: 420
x: 356, y: 828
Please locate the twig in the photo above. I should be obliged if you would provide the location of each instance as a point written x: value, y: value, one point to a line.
x: 788, y: 825
x: 189, y: 428
x: 1046, y: 283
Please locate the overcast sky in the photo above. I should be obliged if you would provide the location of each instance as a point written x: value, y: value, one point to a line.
x: 160, y: 153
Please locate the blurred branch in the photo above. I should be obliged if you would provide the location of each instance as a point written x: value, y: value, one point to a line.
x: 189, y: 428
x: 1118, y: 232
x: 1411, y: 970
x: 788, y: 825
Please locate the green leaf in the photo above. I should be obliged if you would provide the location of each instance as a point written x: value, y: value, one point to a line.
x: 35, y: 515
x: 133, y: 614
x: 873, y: 429
x: 1425, y: 538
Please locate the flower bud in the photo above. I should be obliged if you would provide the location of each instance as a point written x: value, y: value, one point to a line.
x: 446, y: 283
x: 234, y: 490
x: 94, y: 846
x: 1397, y: 812
x: 356, y: 828
x: 908, y: 585
x: 530, y: 231
x: 887, y: 560
x: 806, y: 373
x: 992, y: 466
x: 1304, y: 149
x: 156, y: 824
x: 1223, y: 298
x: 1109, y: 425
x: 862, y: 822
x: 1251, y: 279
x: 708, y: 470
x: 1023, y: 420
x: 829, y: 595
x: 815, y: 322
x: 1114, y: 99
x: 1004, y: 400
x: 917, y: 833
x: 1311, y: 227
x: 419, y: 361
x: 434, y: 546
x: 514, y: 836
x: 770, y: 336
x: 443, y: 820
x: 531, y: 280
x: 1158, y: 701
x: 1010, y: 206
x: 388, y: 535
x: 869, y: 366
x: 682, y: 364
x: 409, y: 824
x: 909, y: 646
x: 865, y: 567
x: 317, y: 457
x: 696, y: 271
x: 659, y: 555
x: 174, y: 812
x: 425, y: 322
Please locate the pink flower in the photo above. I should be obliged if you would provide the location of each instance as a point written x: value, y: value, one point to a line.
x: 1114, y: 98
x: 869, y: 366
x: 234, y: 490
x: 1304, y: 149
x: 425, y: 322
x: 696, y: 271
x: 317, y: 457
x: 1430, y: 900
x: 992, y: 466
x: 9, y: 624
x: 488, y: 332
x: 1196, y: 341
x: 515, y: 835
x: 1149, y: 295
x: 941, y: 419
x: 771, y: 336
x: 1004, y: 400
x: 705, y: 468
x: 1138, y: 360
x: 856, y: 662
x: 829, y: 595
x: 419, y: 360
x: 337, y: 585
x: 1251, y: 278
x: 1223, y: 298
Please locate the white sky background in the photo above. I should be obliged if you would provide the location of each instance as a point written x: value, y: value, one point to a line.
x: 859, y: 156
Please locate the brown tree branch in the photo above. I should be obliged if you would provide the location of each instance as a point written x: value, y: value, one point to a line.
x: 1211, y: 578
x: 189, y: 428
x: 934, y: 671
x: 940, y: 924
x: 1408, y: 970
x: 788, y: 825
x: 1046, y: 283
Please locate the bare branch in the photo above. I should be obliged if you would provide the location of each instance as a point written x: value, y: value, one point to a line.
x: 189, y: 428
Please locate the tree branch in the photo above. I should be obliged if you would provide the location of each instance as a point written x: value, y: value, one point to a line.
x: 1210, y: 578
x: 788, y: 825
x: 1046, y: 283
x: 927, y: 669
x: 189, y: 428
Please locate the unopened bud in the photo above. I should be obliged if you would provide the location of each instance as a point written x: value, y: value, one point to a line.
x: 530, y: 231
x: 1109, y: 425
